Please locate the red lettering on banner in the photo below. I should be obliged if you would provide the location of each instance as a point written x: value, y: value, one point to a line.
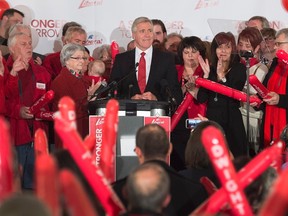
x: 87, y: 3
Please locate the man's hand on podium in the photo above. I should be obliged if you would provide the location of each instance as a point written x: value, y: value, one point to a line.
x: 144, y: 96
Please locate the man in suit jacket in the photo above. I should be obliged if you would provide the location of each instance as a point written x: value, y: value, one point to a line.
x: 152, y: 145
x: 160, y: 74
x: 160, y: 68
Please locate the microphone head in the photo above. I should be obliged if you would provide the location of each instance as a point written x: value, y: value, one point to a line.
x: 104, y: 83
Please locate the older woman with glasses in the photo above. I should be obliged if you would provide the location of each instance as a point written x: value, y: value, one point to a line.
x: 71, y: 82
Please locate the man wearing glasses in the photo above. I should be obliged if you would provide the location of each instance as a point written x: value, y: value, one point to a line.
x: 275, y: 109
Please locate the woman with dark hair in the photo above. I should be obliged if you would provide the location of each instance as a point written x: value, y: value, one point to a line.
x: 189, y: 50
x: 196, y: 158
x: 227, y: 70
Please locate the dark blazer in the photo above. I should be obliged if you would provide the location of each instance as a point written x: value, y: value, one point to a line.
x: 162, y: 67
x: 186, y: 194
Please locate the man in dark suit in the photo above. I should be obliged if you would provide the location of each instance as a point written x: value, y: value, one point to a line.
x: 152, y: 145
x: 159, y: 66
x: 160, y: 74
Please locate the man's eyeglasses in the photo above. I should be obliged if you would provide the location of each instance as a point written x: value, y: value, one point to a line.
x: 280, y: 43
x: 79, y: 58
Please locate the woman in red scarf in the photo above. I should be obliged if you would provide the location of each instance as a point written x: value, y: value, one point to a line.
x: 277, y: 106
x: 189, y: 50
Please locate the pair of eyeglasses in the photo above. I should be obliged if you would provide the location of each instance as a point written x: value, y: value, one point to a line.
x: 280, y: 43
x: 269, y: 39
x: 79, y: 58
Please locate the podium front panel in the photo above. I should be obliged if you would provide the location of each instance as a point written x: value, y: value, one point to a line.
x: 125, y: 158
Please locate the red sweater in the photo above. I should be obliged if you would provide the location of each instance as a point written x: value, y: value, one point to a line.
x: 17, y: 95
x: 66, y: 84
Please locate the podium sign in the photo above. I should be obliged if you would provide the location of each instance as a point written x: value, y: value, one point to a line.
x: 126, y: 159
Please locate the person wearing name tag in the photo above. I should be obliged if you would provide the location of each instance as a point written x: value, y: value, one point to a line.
x: 26, y: 83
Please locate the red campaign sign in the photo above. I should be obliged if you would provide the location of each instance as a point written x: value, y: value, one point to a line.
x: 96, y: 129
x: 163, y: 121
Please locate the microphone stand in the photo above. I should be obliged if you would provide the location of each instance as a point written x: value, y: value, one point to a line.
x: 247, y: 60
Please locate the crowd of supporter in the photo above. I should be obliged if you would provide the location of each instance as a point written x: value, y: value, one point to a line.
x: 176, y: 174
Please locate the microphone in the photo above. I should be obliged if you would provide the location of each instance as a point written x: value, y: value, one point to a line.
x: 246, y: 54
x: 104, y: 88
x: 130, y: 90
x: 165, y: 86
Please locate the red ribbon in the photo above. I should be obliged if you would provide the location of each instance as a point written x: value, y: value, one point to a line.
x: 45, y: 99
x: 259, y: 87
x: 75, y: 196
x: 214, y: 143
x: 282, y: 55
x: 83, y: 158
x: 225, y: 90
x: 180, y: 110
x: 40, y: 142
x: 107, y: 159
x: 47, y: 185
x: 6, y: 163
x: 246, y: 175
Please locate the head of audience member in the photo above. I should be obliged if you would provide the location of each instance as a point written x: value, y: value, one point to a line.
x: 257, y: 191
x: 24, y: 204
x: 195, y: 153
x: 68, y: 25
x: 20, y: 45
x: 131, y: 45
x: 207, y: 45
x: 258, y: 22
x: 159, y: 30
x: 142, y: 33
x: 152, y: 143
x: 223, y: 47
x: 281, y: 41
x: 148, y: 188
x: 267, y: 46
x: 172, y: 41
x: 86, y: 60
x: 96, y: 68
x: 249, y: 40
x: 103, y: 53
x: 189, y: 49
x: 76, y: 35
x: 72, y: 56
x: 19, y: 27
x: 9, y: 18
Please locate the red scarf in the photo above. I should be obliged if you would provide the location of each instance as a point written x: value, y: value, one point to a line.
x: 275, y: 116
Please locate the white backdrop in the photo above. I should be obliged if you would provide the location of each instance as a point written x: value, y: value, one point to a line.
x: 107, y: 20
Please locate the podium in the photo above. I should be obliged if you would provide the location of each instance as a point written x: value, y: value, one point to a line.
x: 133, y: 114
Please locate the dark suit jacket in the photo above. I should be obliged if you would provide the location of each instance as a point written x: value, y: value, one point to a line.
x: 162, y: 67
x: 186, y: 194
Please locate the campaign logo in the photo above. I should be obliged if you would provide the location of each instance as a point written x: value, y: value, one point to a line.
x: 95, y: 39
x: 206, y: 4
x: 90, y: 3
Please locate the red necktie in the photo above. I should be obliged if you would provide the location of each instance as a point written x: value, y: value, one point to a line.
x: 142, y: 73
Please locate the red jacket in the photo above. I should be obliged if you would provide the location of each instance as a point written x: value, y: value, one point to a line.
x: 2, y: 89
x: 53, y: 64
x: 19, y: 127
